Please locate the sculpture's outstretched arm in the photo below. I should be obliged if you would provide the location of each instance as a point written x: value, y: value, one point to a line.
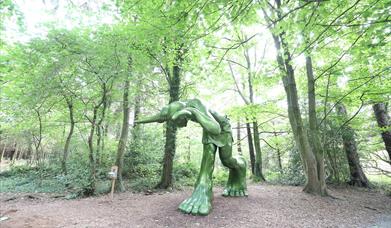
x: 155, y: 118
x: 207, y: 121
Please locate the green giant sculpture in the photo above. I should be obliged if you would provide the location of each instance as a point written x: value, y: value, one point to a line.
x: 217, y: 134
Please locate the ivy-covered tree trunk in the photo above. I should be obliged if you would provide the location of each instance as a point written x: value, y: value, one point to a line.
x: 284, y: 60
x: 357, y: 175
x: 69, y: 137
x: 313, y: 183
x: 124, y: 136
x: 383, y: 121
x: 258, y: 155
x: 250, y: 147
x: 171, y: 129
x: 313, y: 125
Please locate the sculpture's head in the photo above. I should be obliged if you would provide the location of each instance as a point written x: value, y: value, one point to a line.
x: 181, y: 121
x: 181, y: 117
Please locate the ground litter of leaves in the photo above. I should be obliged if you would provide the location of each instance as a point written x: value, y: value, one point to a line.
x: 266, y: 206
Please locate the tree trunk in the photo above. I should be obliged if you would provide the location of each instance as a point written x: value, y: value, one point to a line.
x: 99, y: 128
x: 21, y: 154
x: 278, y: 154
x: 313, y: 184
x: 94, y: 125
x: 250, y: 147
x: 91, y: 156
x: 136, y: 127
x: 2, y: 152
x: 258, y: 156
x: 238, y: 139
x: 257, y: 168
x: 124, y: 136
x: 135, y: 132
x: 333, y: 166
x: 105, y: 127
x: 357, y: 175
x: 171, y: 129
x: 98, y: 144
x: 383, y: 121
x: 279, y: 160
x: 68, y: 140
x: 313, y: 125
x: 30, y: 149
x: 38, y: 142
x: 15, y: 154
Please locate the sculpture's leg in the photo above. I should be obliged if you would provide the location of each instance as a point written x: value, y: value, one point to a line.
x: 200, y: 201
x: 236, y: 184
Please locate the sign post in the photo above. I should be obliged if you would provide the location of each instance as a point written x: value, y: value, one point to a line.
x: 113, y: 177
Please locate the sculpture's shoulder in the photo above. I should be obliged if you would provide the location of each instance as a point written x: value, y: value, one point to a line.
x: 173, y: 107
x: 217, y: 115
x: 198, y: 104
x: 223, y: 120
x: 195, y: 102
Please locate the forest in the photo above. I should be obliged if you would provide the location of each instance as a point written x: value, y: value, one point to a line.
x: 305, y: 85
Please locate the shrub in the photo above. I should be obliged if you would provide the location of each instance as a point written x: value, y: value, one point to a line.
x: 185, y: 174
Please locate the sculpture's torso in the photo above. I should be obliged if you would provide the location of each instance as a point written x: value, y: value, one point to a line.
x: 225, y: 137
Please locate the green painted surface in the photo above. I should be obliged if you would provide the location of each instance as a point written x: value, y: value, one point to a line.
x: 217, y: 136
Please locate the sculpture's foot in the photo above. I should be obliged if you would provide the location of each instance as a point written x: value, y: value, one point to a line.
x: 236, y: 184
x: 199, y: 203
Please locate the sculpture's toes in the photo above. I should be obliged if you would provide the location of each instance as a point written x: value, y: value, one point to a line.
x: 201, y: 206
x: 229, y: 191
x: 185, y: 206
x: 243, y: 192
x: 205, y: 208
x: 198, y: 204
x: 226, y: 192
x: 235, y: 192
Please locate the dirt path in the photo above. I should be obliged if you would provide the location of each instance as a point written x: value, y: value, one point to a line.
x: 267, y: 206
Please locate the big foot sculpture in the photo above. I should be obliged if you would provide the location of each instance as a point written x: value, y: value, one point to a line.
x: 216, y: 134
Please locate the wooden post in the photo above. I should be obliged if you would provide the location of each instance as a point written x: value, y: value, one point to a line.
x: 113, y: 176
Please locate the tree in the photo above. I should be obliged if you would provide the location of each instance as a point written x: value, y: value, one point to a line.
x: 124, y: 131
x: 357, y: 175
x: 314, y: 182
x: 174, y: 82
x: 383, y: 121
x: 69, y: 137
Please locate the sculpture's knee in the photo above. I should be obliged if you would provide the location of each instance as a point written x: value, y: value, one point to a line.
x: 228, y: 162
